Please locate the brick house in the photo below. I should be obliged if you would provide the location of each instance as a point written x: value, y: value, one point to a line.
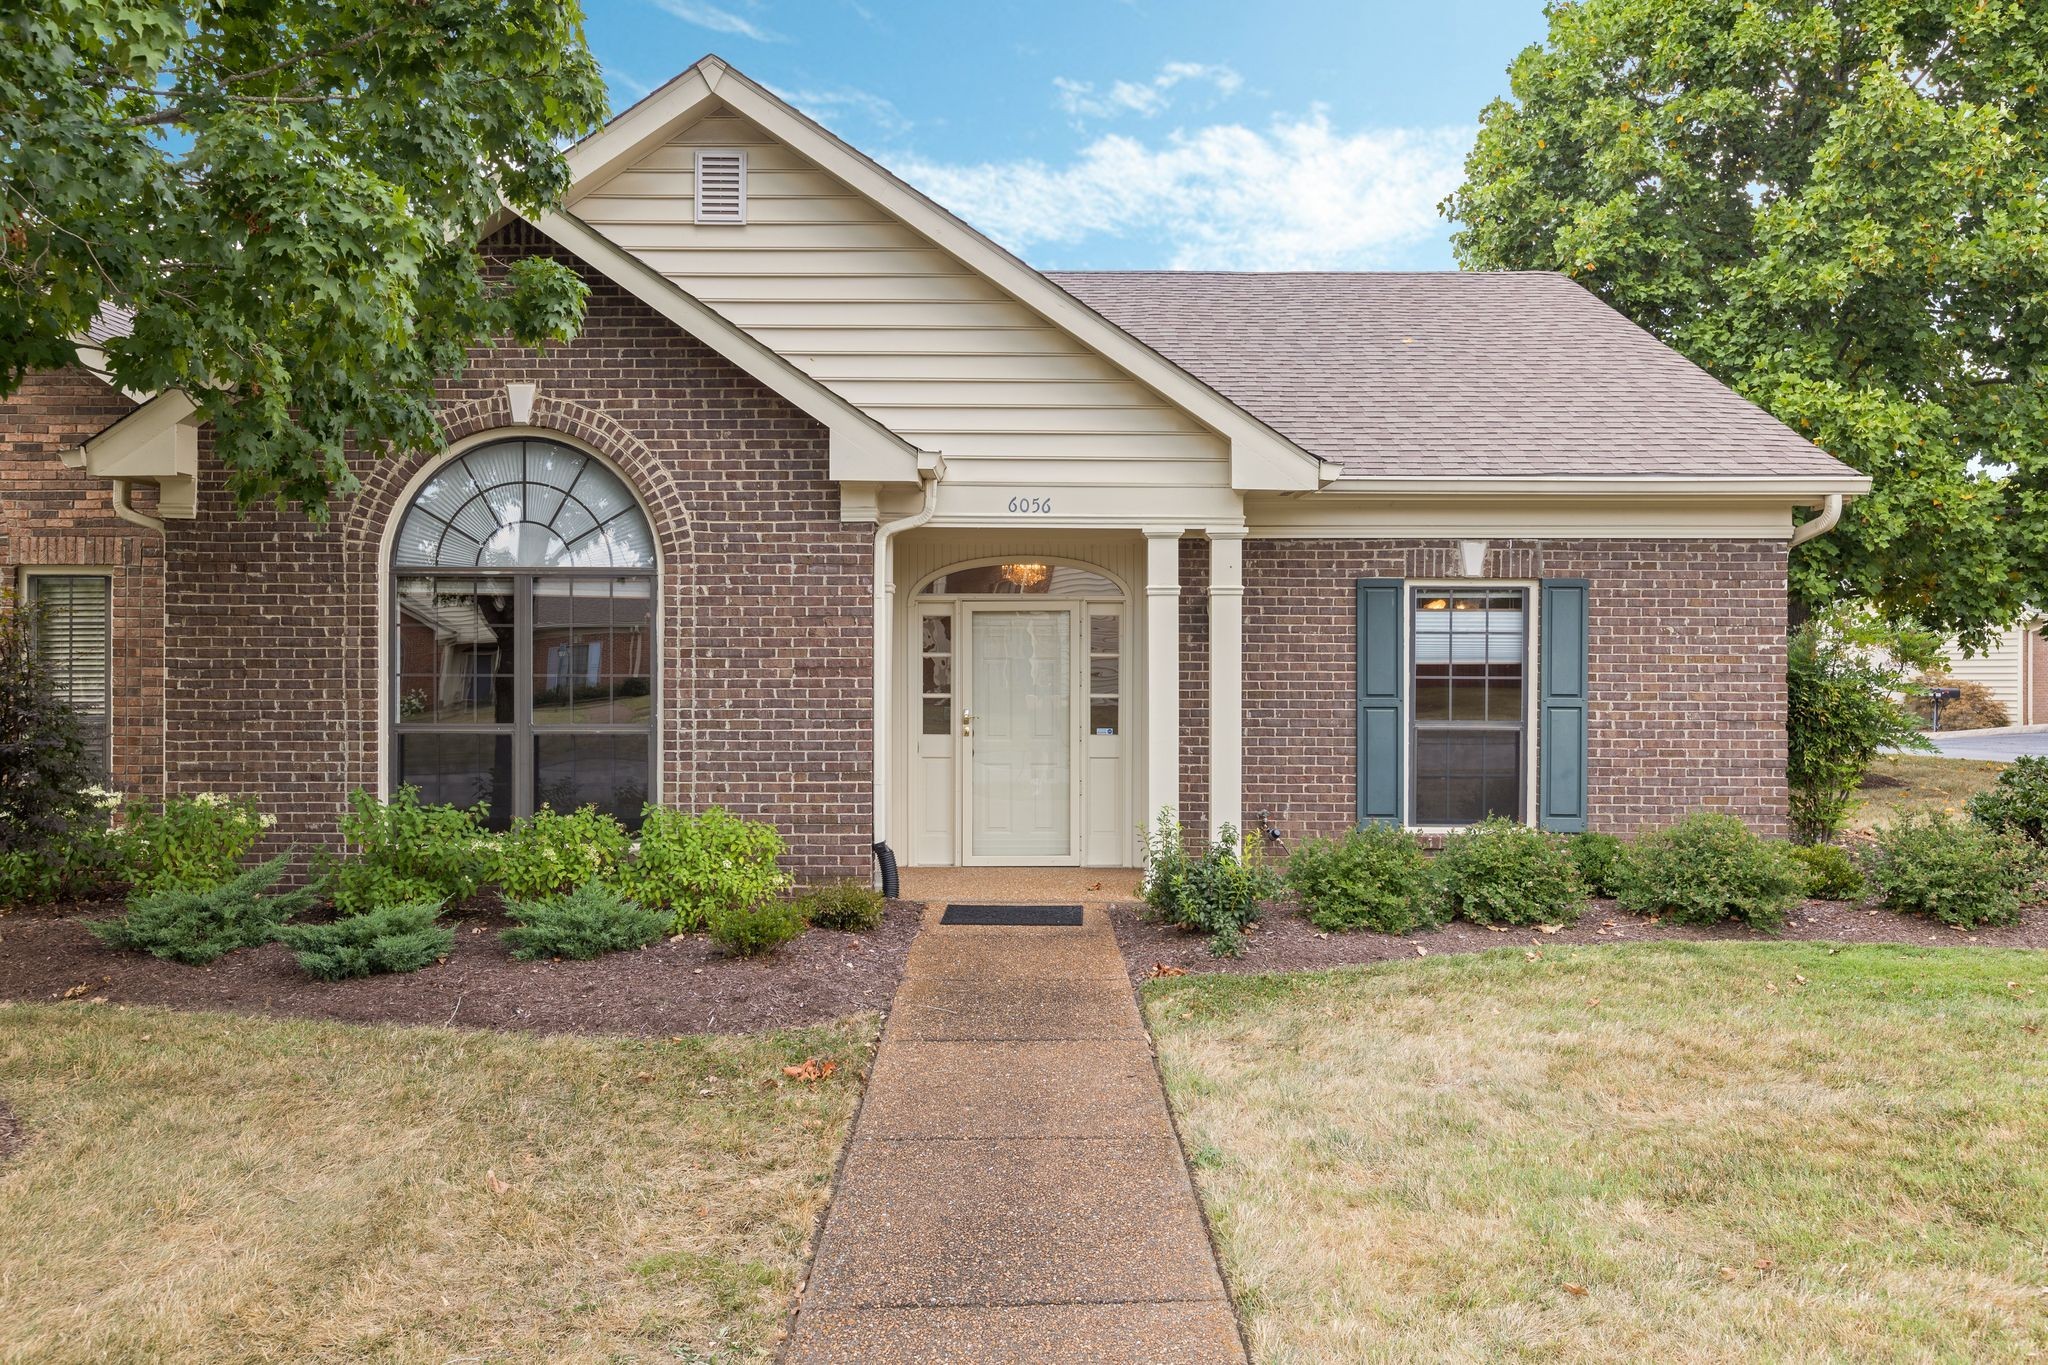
x: 839, y: 515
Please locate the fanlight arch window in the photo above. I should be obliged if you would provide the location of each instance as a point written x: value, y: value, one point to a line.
x: 522, y: 662
x: 1021, y: 579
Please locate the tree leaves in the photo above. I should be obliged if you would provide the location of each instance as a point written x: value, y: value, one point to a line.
x: 289, y: 199
x: 1841, y: 211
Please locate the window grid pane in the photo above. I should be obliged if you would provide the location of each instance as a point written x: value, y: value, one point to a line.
x: 1105, y: 672
x: 524, y: 504
x: 935, y: 661
x: 1470, y: 651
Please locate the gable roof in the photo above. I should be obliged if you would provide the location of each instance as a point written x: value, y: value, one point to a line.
x: 1507, y: 375
x: 1261, y: 457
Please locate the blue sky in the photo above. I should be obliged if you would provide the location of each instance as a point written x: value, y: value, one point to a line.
x: 1101, y: 134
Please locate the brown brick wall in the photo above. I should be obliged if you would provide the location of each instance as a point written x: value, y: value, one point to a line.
x: 1687, y: 644
x: 1194, y: 688
x: 765, y: 596
x: 53, y: 516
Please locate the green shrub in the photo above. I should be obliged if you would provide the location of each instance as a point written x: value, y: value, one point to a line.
x: 1840, y: 715
x: 1218, y: 893
x: 1831, y: 873
x: 697, y: 865
x: 197, y: 926
x: 53, y: 821
x: 189, y: 843
x: 401, y: 852
x: 2019, y: 801
x: 1376, y: 877
x: 588, y: 922
x: 1960, y: 872
x: 842, y: 905
x: 547, y: 853
x: 1595, y: 855
x: 1500, y: 872
x: 745, y: 930
x: 391, y: 938
x: 1708, y: 868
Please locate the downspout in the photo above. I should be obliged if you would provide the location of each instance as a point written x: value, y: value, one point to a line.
x: 1830, y: 513
x: 884, y: 659
x: 124, y: 507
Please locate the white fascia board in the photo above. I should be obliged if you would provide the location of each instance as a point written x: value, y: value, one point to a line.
x: 1795, y: 489
x: 1262, y: 458
x: 861, y: 449
x: 641, y: 127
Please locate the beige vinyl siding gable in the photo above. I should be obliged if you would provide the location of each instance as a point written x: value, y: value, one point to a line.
x: 876, y: 312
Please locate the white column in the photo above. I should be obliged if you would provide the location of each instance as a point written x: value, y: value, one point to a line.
x: 1226, y: 679
x: 1162, y: 673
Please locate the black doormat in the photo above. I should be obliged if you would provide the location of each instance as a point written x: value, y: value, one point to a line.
x: 1049, y: 916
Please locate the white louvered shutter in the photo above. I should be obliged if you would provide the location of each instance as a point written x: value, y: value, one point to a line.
x: 74, y: 635
x: 721, y: 187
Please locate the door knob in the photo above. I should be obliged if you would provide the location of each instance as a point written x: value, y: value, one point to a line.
x: 966, y: 723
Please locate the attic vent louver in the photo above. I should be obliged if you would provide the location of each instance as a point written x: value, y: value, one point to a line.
x: 721, y: 187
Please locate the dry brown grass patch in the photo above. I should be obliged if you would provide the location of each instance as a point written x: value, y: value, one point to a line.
x: 211, y: 1187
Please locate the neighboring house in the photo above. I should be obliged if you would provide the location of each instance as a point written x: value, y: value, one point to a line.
x: 2014, y: 671
x: 842, y: 516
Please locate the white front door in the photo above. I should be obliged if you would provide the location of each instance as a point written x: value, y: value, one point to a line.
x: 1019, y: 734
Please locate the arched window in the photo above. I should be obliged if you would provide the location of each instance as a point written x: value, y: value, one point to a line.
x: 522, y: 652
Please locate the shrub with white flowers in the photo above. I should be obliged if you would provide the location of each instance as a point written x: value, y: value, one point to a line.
x: 190, y: 843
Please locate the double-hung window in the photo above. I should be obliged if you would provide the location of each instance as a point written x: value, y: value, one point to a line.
x: 1470, y: 704
x: 74, y: 634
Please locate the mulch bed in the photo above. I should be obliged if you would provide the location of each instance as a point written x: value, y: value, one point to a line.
x: 670, y: 988
x: 1285, y: 941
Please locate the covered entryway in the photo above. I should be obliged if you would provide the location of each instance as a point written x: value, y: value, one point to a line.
x: 1020, y: 716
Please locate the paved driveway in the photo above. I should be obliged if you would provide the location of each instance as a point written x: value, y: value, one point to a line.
x: 1997, y: 746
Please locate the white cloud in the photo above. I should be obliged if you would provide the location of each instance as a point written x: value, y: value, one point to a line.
x: 717, y: 20
x: 829, y: 106
x: 1145, y: 98
x: 1298, y: 196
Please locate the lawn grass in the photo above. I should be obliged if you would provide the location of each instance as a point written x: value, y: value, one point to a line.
x: 219, y: 1188
x: 1903, y: 782
x: 1696, y: 1152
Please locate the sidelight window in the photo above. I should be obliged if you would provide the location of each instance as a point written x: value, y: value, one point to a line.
x: 522, y: 656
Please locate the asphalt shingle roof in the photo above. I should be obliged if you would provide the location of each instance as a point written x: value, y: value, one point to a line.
x: 1428, y: 375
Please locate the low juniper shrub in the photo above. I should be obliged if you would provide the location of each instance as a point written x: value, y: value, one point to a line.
x: 1500, y: 872
x: 2018, y: 802
x: 403, y: 851
x: 1595, y: 855
x: 390, y: 938
x: 549, y: 852
x: 198, y: 926
x: 748, y: 930
x: 1376, y: 877
x: 1831, y: 874
x: 588, y: 922
x: 699, y: 865
x: 1708, y: 868
x: 842, y: 905
x: 1219, y: 893
x: 189, y: 843
x: 1961, y: 872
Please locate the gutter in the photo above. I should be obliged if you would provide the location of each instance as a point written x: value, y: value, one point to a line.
x: 930, y: 473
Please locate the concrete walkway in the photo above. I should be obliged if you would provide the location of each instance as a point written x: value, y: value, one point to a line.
x: 1013, y: 1190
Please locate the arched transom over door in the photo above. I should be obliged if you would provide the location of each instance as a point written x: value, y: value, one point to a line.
x: 522, y: 655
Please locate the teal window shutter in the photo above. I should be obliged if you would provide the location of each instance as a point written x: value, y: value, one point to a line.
x: 1561, y: 729
x: 1381, y: 719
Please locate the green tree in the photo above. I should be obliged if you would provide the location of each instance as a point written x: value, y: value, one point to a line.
x: 288, y: 196
x: 1841, y: 210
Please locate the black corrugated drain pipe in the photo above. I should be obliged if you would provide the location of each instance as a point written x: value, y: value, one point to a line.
x: 886, y: 859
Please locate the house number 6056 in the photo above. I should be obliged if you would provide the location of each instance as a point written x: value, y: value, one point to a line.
x: 1041, y: 506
